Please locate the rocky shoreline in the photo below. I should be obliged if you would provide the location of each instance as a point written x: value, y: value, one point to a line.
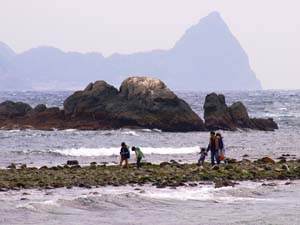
x: 166, y: 174
x: 140, y: 102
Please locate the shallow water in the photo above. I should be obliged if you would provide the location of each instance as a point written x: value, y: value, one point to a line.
x: 246, y: 203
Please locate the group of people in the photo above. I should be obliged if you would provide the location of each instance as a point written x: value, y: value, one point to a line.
x: 125, y: 155
x: 215, y: 146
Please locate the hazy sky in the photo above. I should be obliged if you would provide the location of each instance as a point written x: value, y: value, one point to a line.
x: 269, y: 30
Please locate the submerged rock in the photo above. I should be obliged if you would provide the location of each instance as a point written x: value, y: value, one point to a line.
x: 218, y: 115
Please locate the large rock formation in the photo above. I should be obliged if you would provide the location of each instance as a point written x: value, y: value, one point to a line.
x: 140, y: 102
x: 218, y: 115
x: 9, y: 109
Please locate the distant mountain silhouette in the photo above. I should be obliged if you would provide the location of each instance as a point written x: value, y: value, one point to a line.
x: 207, y: 57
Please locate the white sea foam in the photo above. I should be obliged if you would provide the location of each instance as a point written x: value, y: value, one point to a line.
x: 116, y: 151
x: 130, y: 132
x: 207, y: 193
x: 70, y: 130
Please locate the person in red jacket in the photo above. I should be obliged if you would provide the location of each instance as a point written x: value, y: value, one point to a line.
x: 214, y: 147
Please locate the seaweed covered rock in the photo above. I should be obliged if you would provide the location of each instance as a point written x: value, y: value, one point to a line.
x: 218, y: 115
x: 140, y: 102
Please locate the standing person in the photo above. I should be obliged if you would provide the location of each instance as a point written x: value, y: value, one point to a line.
x: 203, y: 154
x: 221, y: 147
x: 139, y: 155
x: 213, y: 146
x: 125, y: 155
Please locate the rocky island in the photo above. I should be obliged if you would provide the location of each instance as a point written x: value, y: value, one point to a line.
x: 140, y: 102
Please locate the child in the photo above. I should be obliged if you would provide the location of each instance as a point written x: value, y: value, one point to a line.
x: 201, y: 160
x: 139, y: 155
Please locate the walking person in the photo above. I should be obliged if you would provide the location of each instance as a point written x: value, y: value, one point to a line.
x: 203, y: 154
x: 213, y: 146
x: 221, y: 149
x: 125, y: 155
x: 139, y: 155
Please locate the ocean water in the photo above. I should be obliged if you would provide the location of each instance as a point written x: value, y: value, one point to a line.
x: 247, y: 203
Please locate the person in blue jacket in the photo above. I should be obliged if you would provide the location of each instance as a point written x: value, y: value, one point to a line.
x: 125, y: 155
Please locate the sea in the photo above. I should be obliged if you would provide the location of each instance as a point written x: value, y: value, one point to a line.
x: 246, y: 203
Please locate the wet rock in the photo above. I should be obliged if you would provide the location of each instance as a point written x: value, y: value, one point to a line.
x: 43, y: 168
x: 285, y: 167
x: 93, y: 165
x: 140, y: 102
x: 12, y: 166
x: 168, y: 175
x: 269, y: 184
x: 173, y: 161
x: 163, y: 164
x: 267, y: 160
x: 4, y: 189
x: 24, y: 199
x: 161, y: 186
x: 39, y: 108
x: 23, y: 166
x: 75, y: 167
x: 245, y: 156
x: 229, y: 167
x: 9, y: 109
x: 215, y: 167
x: 218, y: 115
x: 72, y: 162
x: 268, y: 167
x: 224, y: 183
x: 193, y: 184
x: 85, y: 186
x: 282, y: 160
x: 53, y: 110
x: 246, y: 161
x: 231, y: 161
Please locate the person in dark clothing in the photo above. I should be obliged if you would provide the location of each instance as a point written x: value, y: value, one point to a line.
x: 221, y: 148
x: 203, y: 154
x: 125, y: 155
x: 213, y: 146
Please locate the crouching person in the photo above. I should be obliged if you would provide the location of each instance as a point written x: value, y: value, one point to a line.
x: 139, y: 155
